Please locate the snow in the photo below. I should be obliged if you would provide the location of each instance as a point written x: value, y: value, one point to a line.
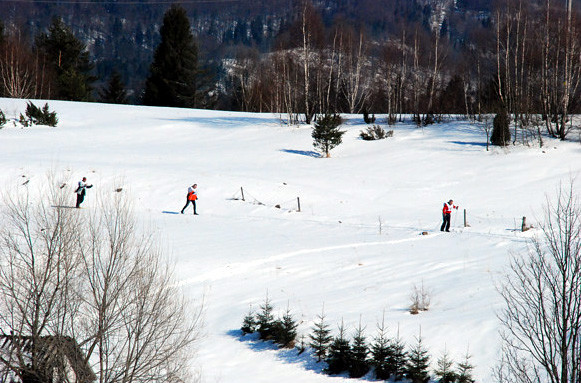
x: 354, y: 250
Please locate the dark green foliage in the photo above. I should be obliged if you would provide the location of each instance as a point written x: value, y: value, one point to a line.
x: 320, y: 337
x: 464, y: 371
x: 2, y: 119
x: 375, y: 132
x: 397, y: 359
x: 69, y: 59
x: 173, y: 72
x: 444, y: 371
x: 380, y: 351
x: 265, y: 320
x: 368, y: 119
x: 359, y: 351
x: 339, y: 356
x: 115, y: 92
x: 285, y: 330
x: 326, y: 133
x: 249, y: 323
x: 39, y: 116
x: 24, y: 121
x: 428, y: 119
x: 418, y: 364
x: 500, y: 130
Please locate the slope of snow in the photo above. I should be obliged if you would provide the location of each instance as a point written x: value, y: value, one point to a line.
x: 334, y: 253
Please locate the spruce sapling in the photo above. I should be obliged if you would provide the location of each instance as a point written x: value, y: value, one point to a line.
x: 321, y: 337
x: 339, y: 356
x: 359, y: 350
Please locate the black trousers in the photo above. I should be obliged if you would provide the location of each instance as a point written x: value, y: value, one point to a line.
x: 80, y: 199
x: 187, y: 203
x: 446, y: 223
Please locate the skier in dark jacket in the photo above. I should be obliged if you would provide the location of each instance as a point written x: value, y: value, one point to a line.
x: 81, y: 190
x: 446, y: 213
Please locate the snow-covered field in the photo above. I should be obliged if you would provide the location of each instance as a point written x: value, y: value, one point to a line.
x: 334, y: 253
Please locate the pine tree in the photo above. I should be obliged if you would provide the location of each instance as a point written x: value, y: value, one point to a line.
x: 326, y: 133
x: 500, y: 129
x: 249, y: 323
x: 173, y: 72
x: 339, y: 356
x: 265, y: 320
x: 380, y: 351
x: 69, y: 59
x: 285, y: 330
x: 321, y: 337
x: 359, y: 350
x: 397, y: 359
x: 417, y: 368
x: 464, y: 370
x: 444, y: 371
x: 115, y: 92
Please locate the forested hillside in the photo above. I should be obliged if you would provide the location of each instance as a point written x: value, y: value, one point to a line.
x: 301, y: 58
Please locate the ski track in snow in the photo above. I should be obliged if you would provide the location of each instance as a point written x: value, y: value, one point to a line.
x: 243, y: 267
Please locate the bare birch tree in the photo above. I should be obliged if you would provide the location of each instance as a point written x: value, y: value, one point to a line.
x: 542, y: 295
x: 96, y: 278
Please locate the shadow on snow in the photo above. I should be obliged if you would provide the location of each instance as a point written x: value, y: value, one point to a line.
x: 308, y: 153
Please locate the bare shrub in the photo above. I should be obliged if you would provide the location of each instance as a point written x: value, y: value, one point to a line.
x: 420, y: 299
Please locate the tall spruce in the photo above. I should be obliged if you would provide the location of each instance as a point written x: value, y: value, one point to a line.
x: 500, y: 128
x: 380, y: 351
x: 114, y: 92
x: 68, y: 57
x: 339, y: 356
x: 418, y: 364
x: 320, y: 337
x: 359, y: 351
x: 173, y: 72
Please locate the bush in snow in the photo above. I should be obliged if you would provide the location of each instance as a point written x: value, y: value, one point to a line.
x: 39, y: 116
x: 420, y: 299
x: 375, y: 132
x: 500, y: 129
x: 281, y: 331
x: 2, y: 119
x: 249, y: 323
x: 368, y: 119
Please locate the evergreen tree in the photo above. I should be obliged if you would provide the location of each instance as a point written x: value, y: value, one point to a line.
x: 380, y: 351
x: 69, y: 59
x: 2, y: 119
x: 500, y: 129
x: 444, y: 371
x: 173, y: 72
x: 265, y: 320
x: 285, y: 330
x: 321, y: 337
x: 326, y: 133
x: 249, y: 323
x: 115, y: 92
x: 417, y: 368
x: 359, y: 351
x: 339, y: 357
x: 397, y: 359
x: 464, y: 370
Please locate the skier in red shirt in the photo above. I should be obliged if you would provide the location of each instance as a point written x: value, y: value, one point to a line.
x: 446, y: 212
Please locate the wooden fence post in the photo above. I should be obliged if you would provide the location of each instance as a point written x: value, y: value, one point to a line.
x: 299, y: 204
x: 465, y: 223
x: 242, y: 191
x: 524, y: 224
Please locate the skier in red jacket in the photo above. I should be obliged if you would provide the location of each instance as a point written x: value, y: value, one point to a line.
x: 191, y: 197
x: 446, y: 212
